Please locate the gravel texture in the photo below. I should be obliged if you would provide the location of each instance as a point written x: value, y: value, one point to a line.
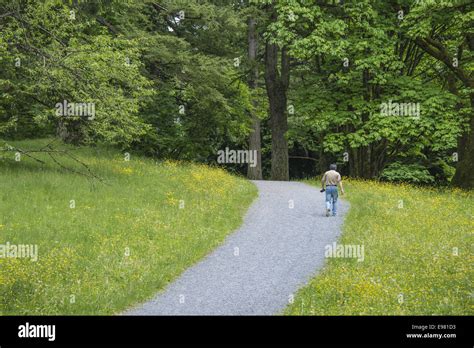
x: 259, y: 267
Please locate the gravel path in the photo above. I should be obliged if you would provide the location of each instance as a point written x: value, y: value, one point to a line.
x: 256, y: 270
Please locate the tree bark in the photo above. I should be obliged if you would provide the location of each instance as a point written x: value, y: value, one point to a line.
x: 254, y: 173
x: 277, y: 83
x: 464, y: 175
x: 70, y: 131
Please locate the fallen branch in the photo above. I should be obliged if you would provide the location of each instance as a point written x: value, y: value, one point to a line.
x: 51, y: 152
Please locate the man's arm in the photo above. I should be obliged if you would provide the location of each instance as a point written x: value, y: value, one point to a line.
x: 323, y: 182
x: 340, y: 186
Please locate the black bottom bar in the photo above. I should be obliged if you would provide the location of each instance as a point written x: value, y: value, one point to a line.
x: 134, y: 331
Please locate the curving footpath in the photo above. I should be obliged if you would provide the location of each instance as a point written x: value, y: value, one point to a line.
x: 258, y: 268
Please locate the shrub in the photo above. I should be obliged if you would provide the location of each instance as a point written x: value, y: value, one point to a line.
x: 410, y: 173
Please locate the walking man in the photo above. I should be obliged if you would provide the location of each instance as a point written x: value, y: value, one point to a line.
x: 331, y: 179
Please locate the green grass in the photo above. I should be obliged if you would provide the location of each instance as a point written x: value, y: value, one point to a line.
x: 122, y: 242
x: 410, y: 267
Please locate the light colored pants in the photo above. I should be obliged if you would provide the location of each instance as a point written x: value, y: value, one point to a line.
x: 331, y: 199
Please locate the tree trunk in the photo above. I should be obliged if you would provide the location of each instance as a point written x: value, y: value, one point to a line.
x: 277, y: 85
x: 464, y: 176
x: 70, y: 131
x: 254, y: 173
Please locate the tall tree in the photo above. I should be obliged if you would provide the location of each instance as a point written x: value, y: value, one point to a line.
x: 277, y: 81
x: 254, y: 172
x: 444, y: 31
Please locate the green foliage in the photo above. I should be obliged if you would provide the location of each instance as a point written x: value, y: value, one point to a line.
x: 351, y: 59
x: 163, y: 80
x: 60, y: 60
x: 159, y: 83
x: 408, y: 173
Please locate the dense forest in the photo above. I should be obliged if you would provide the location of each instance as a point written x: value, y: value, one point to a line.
x: 382, y: 88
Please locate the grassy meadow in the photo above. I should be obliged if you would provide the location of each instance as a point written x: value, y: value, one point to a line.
x: 105, y: 246
x: 418, y: 255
